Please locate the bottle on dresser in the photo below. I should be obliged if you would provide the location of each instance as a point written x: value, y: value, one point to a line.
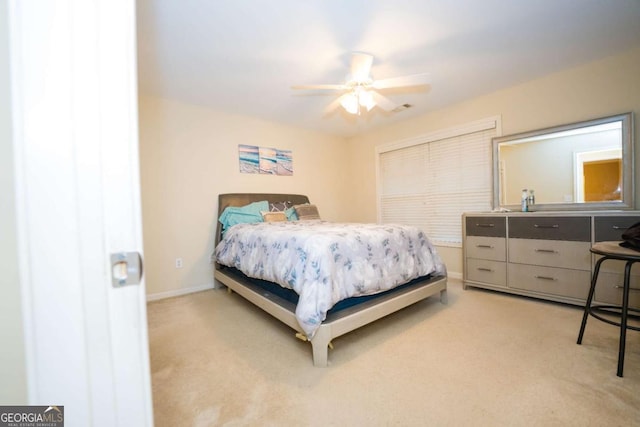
x: 525, y: 200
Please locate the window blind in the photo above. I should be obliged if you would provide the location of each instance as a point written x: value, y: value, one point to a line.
x: 430, y: 184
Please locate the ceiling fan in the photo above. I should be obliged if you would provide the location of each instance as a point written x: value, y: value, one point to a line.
x: 360, y: 89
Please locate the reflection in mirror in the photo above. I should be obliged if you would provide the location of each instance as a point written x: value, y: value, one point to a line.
x: 586, y: 165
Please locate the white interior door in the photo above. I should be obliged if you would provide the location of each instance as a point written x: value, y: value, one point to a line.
x: 74, y: 108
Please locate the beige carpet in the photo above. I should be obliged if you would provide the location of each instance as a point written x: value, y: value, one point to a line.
x: 485, y: 359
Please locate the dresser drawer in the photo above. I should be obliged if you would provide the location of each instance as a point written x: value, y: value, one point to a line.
x: 493, y: 248
x: 551, y: 228
x: 549, y: 280
x: 609, y: 289
x: 492, y: 272
x: 610, y: 228
x: 552, y: 253
x: 486, y: 226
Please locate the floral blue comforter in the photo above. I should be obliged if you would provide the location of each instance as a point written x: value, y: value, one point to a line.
x: 327, y: 262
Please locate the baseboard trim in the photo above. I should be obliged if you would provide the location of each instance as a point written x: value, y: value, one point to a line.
x: 179, y: 292
x: 454, y: 275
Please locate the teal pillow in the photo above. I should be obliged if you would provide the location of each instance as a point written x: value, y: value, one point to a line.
x: 250, y: 213
x: 291, y: 214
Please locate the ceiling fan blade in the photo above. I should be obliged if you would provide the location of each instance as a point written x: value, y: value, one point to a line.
x: 382, y: 101
x: 412, y: 80
x: 312, y: 87
x: 360, y: 66
x: 335, y: 104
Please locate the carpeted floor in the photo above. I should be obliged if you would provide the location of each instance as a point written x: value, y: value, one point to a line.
x: 484, y: 359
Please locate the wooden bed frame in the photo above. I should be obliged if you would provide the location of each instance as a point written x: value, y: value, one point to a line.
x: 336, y: 324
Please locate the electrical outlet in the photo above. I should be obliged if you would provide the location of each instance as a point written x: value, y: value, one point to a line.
x: 178, y: 262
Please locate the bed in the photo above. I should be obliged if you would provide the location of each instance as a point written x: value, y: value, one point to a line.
x: 339, y: 315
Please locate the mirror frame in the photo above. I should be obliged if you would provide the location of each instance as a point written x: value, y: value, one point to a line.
x: 628, y: 165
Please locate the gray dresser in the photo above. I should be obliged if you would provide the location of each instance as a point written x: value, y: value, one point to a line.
x: 545, y: 254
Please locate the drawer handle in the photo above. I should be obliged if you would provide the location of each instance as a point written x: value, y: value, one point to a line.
x: 546, y: 278
x: 485, y: 225
x: 547, y: 251
x: 630, y: 288
x: 484, y: 246
x: 617, y: 227
x: 546, y: 226
x: 485, y: 269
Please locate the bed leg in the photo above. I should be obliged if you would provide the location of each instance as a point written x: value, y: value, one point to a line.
x: 443, y: 296
x: 320, y: 345
x: 229, y: 291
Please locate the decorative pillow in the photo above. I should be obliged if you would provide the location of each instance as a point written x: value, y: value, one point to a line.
x: 250, y: 213
x: 307, y: 211
x: 291, y: 214
x: 279, y: 206
x: 273, y: 216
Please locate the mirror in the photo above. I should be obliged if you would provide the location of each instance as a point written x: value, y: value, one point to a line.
x: 580, y: 166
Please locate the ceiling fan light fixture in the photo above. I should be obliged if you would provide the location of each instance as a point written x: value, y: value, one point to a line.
x: 366, y: 99
x: 360, y: 90
x: 350, y: 103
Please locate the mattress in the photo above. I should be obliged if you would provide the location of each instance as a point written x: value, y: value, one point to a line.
x: 325, y: 263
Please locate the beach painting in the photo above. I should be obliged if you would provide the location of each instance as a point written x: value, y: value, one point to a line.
x: 249, y: 158
x: 268, y: 161
x: 285, y: 162
x: 263, y: 160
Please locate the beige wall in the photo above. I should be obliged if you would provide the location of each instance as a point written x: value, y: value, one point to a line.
x: 602, y: 88
x: 13, y: 377
x: 189, y: 155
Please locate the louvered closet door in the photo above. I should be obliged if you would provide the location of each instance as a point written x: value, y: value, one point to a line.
x: 431, y: 183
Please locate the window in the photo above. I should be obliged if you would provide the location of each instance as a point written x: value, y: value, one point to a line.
x: 430, y: 181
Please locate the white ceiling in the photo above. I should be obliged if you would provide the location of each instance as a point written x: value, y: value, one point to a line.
x: 243, y: 56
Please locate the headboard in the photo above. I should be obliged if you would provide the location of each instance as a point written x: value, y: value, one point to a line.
x: 242, y: 199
